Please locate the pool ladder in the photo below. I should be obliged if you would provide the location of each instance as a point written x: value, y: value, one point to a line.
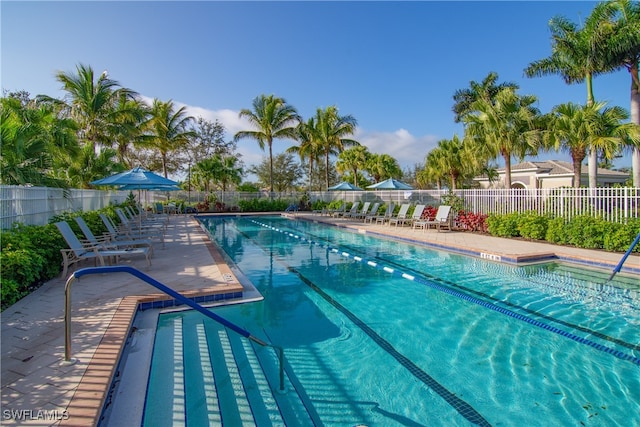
x: 68, y: 360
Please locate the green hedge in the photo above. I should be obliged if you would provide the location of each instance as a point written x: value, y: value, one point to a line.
x: 581, y: 231
x: 30, y: 255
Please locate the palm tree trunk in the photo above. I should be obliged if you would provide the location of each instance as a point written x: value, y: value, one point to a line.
x: 593, y: 154
x: 507, y: 170
x: 270, y: 170
x: 326, y: 172
x: 635, y: 118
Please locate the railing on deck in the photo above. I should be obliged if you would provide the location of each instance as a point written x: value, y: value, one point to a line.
x: 35, y: 205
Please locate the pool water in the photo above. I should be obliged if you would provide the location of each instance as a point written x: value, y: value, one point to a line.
x: 379, y: 332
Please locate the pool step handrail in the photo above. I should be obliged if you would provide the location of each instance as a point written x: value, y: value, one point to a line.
x: 167, y: 290
x: 624, y: 257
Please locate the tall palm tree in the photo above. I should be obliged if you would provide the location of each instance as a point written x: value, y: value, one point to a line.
x: 125, y: 131
x: 487, y: 90
x: 331, y: 131
x: 90, y: 102
x: 309, y: 148
x: 353, y: 159
x: 578, y: 55
x: 272, y: 119
x: 577, y: 129
x: 508, y: 126
x: 166, y: 131
x: 622, y: 18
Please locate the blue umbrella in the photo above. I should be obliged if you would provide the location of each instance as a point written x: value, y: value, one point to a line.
x: 390, y: 184
x: 150, y: 187
x: 137, y: 179
x: 344, y: 186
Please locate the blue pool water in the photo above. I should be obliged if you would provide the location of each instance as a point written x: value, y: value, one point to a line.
x: 383, y: 333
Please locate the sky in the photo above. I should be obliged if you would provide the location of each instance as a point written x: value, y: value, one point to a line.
x: 394, y: 66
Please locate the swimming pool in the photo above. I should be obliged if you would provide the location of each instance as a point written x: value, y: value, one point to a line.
x: 379, y: 332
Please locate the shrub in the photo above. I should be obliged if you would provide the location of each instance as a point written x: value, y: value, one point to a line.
x: 503, y: 225
x: 471, y: 221
x: 557, y: 231
x: 586, y: 232
x: 263, y: 205
x: 533, y: 226
x: 620, y: 236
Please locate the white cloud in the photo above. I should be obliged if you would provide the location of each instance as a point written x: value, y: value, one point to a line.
x: 400, y: 144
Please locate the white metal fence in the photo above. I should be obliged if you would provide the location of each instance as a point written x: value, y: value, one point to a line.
x: 36, y: 205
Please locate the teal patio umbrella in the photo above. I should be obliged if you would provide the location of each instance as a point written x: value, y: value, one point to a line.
x: 390, y: 184
x: 344, y: 186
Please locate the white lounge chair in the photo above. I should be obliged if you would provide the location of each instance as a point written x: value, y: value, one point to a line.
x: 417, y: 214
x: 78, y: 252
x: 362, y: 213
x: 442, y: 219
x: 388, y: 214
x: 401, y: 216
x: 372, y: 214
x: 353, y: 210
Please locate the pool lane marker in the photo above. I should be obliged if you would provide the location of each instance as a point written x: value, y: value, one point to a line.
x: 474, y: 300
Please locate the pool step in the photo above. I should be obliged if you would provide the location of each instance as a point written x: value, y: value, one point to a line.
x: 219, y: 378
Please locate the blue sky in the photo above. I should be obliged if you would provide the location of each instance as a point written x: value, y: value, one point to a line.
x: 394, y: 66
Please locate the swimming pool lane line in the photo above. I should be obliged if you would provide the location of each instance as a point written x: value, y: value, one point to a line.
x: 464, y: 296
x: 462, y: 407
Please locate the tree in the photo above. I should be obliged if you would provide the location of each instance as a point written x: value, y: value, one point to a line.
x: 353, y: 159
x: 577, y: 128
x: 448, y: 160
x: 89, y: 166
x: 577, y: 55
x: 382, y: 166
x: 508, y: 126
x: 166, y: 132
x: 272, y: 119
x: 33, y: 138
x: 209, y: 140
x: 464, y: 99
x: 309, y: 149
x: 331, y: 130
x: 90, y: 102
x: 622, y: 18
x: 286, y: 172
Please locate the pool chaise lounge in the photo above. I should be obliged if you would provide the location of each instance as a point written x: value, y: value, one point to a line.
x: 442, y: 219
x: 78, y: 251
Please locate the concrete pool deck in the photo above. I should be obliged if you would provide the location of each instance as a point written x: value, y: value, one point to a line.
x: 37, y: 390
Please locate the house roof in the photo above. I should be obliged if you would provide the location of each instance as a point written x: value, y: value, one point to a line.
x: 559, y: 167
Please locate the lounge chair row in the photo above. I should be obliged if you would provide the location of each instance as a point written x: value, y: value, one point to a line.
x: 133, y: 237
x: 442, y: 218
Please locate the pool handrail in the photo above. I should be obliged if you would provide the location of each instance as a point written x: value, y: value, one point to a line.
x: 167, y: 290
x: 624, y: 257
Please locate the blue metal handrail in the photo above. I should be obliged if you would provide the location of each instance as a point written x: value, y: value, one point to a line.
x: 624, y: 257
x: 167, y: 290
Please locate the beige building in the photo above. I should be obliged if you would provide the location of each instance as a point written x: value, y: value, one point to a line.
x: 550, y: 174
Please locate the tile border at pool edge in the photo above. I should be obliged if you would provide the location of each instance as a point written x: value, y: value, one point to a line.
x: 87, y: 403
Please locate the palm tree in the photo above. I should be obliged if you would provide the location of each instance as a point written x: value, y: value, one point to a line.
x: 577, y: 55
x: 272, y: 118
x: 577, y: 128
x: 622, y: 18
x: 449, y: 158
x: 166, y: 131
x: 331, y: 132
x: 487, y: 90
x: 125, y: 130
x: 90, y: 102
x: 33, y: 138
x: 353, y: 159
x: 382, y: 166
x: 508, y: 126
x: 309, y: 147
